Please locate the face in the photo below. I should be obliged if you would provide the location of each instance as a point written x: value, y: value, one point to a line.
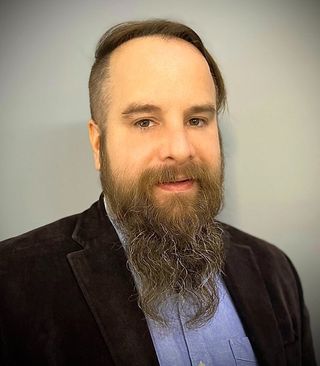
x: 161, y: 113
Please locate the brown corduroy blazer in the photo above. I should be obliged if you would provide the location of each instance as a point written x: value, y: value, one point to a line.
x: 68, y: 298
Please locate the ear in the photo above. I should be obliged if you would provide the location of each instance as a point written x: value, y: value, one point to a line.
x: 94, y: 136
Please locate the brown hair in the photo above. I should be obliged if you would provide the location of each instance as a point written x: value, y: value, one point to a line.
x: 126, y: 31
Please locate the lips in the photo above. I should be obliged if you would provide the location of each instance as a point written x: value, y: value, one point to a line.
x: 179, y: 179
x: 178, y: 185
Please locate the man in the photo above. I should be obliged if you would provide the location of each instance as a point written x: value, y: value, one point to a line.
x: 147, y: 276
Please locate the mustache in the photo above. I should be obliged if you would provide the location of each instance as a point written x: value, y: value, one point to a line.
x: 175, y: 173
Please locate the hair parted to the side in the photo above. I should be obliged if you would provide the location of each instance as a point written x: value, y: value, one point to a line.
x: 123, y: 32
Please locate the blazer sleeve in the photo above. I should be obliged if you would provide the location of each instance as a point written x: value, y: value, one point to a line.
x: 308, y: 357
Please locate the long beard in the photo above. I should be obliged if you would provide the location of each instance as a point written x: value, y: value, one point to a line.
x: 174, y: 248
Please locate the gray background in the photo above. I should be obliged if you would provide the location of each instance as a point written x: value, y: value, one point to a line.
x: 269, y: 53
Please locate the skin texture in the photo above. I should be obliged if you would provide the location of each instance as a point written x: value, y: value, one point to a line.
x: 172, y: 76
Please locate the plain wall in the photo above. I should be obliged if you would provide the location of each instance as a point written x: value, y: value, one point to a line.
x: 269, y: 53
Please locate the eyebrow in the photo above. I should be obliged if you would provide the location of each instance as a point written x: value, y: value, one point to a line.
x: 135, y: 108
x: 202, y: 108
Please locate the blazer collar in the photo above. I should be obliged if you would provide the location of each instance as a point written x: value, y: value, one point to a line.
x: 108, y: 287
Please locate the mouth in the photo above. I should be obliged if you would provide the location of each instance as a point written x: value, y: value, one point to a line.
x: 179, y: 185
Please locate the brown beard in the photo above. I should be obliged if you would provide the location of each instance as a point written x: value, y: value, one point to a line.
x: 174, y: 248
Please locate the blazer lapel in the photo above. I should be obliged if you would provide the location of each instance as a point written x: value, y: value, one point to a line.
x: 107, y: 285
x: 247, y: 288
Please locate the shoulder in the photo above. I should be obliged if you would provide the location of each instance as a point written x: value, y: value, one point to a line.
x: 273, y: 264
x: 263, y: 250
x: 49, y: 238
x: 48, y: 245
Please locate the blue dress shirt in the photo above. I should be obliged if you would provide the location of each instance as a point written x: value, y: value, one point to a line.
x: 220, y: 342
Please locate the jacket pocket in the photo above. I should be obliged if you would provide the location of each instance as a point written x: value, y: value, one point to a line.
x: 242, y: 351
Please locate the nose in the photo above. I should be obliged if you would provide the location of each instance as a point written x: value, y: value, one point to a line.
x: 176, y: 146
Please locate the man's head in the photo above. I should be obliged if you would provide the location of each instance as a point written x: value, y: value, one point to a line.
x: 155, y: 93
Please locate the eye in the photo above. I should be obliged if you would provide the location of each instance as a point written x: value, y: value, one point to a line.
x: 144, y: 123
x: 197, y: 122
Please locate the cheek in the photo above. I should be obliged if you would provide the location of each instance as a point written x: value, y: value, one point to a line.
x: 117, y: 158
x: 127, y: 157
x: 209, y: 148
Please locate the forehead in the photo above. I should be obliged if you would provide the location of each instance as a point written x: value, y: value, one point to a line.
x: 154, y: 69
